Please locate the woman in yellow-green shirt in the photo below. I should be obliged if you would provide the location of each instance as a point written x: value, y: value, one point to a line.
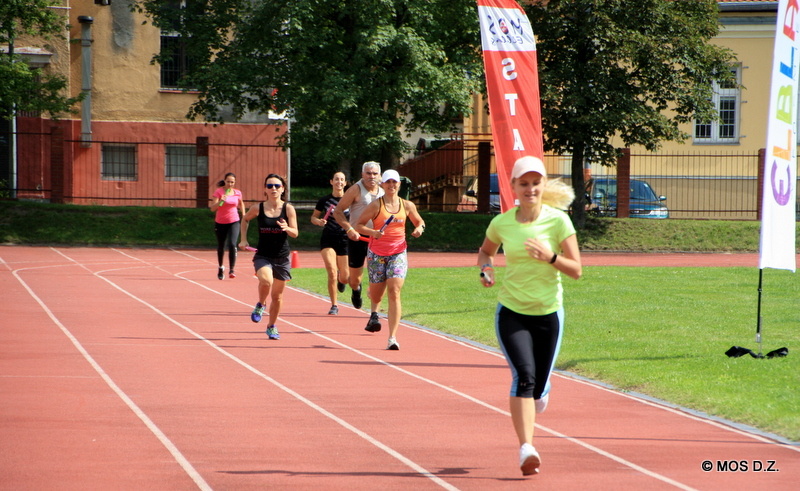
x: 539, y: 243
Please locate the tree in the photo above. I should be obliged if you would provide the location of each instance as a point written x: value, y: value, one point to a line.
x: 632, y: 69
x: 23, y: 88
x: 352, y: 73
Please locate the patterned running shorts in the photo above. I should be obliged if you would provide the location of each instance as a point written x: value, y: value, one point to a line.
x: 381, y: 268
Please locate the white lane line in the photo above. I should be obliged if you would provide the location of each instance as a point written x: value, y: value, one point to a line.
x: 182, y: 461
x: 365, y: 436
x: 678, y: 411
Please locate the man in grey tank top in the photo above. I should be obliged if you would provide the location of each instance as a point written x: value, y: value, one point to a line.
x: 361, y: 194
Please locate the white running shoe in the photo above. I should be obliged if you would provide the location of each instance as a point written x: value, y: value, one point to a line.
x: 393, y: 345
x: 529, y: 460
x: 541, y: 404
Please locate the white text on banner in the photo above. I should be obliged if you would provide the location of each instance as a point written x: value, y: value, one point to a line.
x: 512, y: 82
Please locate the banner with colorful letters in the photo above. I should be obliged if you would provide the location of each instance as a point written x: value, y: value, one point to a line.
x: 777, y: 247
x: 512, y: 82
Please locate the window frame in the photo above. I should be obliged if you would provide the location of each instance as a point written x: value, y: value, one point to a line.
x: 171, y: 41
x: 115, y: 168
x: 729, y: 117
x: 170, y: 166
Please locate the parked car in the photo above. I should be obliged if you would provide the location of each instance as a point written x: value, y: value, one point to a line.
x: 469, y: 201
x: 644, y: 202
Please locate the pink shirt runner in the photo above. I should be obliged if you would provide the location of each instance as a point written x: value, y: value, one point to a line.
x: 229, y: 212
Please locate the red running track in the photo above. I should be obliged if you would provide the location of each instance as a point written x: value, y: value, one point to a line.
x: 312, y: 259
x: 138, y: 369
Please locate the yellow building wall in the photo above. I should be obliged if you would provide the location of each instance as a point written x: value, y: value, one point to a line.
x: 752, y: 45
x: 754, y: 48
x: 126, y: 86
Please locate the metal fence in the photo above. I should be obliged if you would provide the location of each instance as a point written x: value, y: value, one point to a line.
x: 699, y: 185
x: 720, y: 185
x: 131, y: 173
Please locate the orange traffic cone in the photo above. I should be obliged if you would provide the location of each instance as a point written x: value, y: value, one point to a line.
x: 295, y: 259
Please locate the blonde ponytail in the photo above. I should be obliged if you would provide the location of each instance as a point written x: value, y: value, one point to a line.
x: 558, y: 194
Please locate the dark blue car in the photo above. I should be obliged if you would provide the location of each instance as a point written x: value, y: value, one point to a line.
x: 469, y: 202
x: 644, y: 203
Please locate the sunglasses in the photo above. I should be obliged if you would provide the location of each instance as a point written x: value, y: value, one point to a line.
x: 276, y: 186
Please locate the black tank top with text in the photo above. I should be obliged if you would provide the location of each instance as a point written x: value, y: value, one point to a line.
x: 272, y: 241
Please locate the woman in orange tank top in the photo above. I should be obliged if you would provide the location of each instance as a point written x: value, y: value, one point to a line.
x: 387, y: 262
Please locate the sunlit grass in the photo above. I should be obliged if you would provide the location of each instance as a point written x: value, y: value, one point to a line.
x: 657, y: 331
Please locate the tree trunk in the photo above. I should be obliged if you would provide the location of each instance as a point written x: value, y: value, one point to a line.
x: 389, y: 158
x: 351, y: 170
x: 579, y: 186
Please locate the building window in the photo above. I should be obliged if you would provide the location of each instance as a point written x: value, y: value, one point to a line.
x: 174, y: 66
x: 174, y: 59
x: 119, y: 162
x: 727, y: 98
x: 181, y: 162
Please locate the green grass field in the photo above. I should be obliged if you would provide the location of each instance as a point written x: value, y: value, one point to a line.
x: 656, y: 331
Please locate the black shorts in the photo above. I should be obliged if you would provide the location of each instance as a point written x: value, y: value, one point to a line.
x: 356, y: 253
x: 281, y: 266
x: 337, y: 242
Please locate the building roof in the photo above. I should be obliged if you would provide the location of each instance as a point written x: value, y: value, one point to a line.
x: 748, y: 5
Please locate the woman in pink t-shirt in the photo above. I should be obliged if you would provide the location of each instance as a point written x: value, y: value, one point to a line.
x: 228, y: 205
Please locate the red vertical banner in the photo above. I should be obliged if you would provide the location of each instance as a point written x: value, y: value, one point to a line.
x: 512, y: 82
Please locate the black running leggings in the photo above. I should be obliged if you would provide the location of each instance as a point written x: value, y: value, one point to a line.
x: 227, y: 234
x: 530, y: 344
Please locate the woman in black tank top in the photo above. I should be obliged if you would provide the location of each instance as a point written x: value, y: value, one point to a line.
x: 333, y: 242
x: 277, y: 221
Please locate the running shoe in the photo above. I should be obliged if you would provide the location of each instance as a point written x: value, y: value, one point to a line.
x: 340, y: 287
x: 231, y: 274
x: 393, y: 345
x: 334, y: 310
x: 529, y: 460
x: 374, y: 323
x: 356, y: 298
x: 541, y: 404
x: 257, y: 312
x: 272, y: 332
x: 221, y: 272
